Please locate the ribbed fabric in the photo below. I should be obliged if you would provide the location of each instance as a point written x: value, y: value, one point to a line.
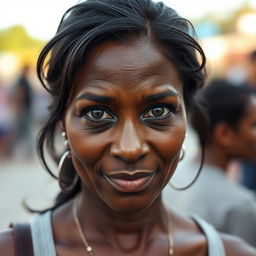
x: 41, y: 230
x: 43, y: 243
x: 215, y: 244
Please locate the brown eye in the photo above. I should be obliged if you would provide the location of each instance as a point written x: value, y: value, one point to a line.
x: 158, y: 111
x: 98, y: 114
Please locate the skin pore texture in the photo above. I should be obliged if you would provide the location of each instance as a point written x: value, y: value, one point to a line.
x: 225, y: 145
x: 125, y: 123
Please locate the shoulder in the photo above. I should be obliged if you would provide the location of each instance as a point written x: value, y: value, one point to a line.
x: 242, y: 194
x: 7, y: 243
x: 245, y: 209
x: 235, y: 246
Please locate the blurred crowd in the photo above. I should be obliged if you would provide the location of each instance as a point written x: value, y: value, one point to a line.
x: 22, y: 109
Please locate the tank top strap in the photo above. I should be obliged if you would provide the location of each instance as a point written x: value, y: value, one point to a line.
x: 42, y: 237
x: 215, y: 244
x: 43, y: 243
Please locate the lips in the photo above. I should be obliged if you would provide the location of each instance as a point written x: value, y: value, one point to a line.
x: 126, y: 181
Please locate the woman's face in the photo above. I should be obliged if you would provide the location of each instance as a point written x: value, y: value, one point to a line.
x: 126, y: 123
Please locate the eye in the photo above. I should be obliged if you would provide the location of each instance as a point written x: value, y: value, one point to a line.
x: 96, y: 114
x: 158, y: 112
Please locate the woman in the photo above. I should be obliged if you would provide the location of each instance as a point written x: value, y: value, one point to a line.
x: 232, y: 135
x: 122, y: 74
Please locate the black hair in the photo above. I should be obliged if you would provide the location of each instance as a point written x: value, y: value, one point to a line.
x: 222, y: 101
x: 89, y: 23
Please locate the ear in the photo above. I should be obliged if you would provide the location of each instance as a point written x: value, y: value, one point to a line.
x: 224, y: 134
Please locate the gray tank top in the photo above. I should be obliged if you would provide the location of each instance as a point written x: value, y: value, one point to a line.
x: 43, y: 243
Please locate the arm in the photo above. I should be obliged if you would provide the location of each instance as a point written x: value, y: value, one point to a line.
x: 235, y: 246
x: 7, y: 243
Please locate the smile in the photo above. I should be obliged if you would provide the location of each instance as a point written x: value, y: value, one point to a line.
x: 127, y: 182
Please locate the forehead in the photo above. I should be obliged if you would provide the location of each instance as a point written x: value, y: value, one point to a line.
x: 137, y: 65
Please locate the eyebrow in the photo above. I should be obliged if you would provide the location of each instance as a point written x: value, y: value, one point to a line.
x: 161, y: 95
x: 95, y: 97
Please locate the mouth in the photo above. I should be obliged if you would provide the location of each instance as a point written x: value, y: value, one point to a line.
x: 126, y: 181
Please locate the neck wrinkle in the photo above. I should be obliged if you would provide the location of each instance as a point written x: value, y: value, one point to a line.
x: 95, y: 216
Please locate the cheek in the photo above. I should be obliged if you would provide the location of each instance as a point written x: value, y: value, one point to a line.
x: 249, y: 136
x: 84, y: 144
x: 168, y: 144
x: 88, y: 149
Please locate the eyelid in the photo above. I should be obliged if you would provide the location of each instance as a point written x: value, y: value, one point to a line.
x: 83, y: 112
x: 172, y: 107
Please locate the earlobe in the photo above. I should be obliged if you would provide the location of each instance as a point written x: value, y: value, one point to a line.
x: 63, y: 133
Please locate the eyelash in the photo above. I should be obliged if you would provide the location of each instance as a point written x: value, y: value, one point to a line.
x: 171, y: 108
x: 84, y: 113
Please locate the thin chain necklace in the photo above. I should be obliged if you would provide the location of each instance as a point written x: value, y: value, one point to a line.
x: 89, y: 249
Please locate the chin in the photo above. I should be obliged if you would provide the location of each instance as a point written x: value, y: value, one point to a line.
x: 131, y: 204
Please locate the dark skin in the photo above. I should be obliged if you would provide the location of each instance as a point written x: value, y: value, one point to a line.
x: 126, y: 117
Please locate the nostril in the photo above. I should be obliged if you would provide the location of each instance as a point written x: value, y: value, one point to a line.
x: 130, y: 156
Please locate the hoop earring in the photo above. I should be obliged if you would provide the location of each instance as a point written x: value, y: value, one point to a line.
x: 182, y: 153
x: 191, y: 183
x: 64, y: 185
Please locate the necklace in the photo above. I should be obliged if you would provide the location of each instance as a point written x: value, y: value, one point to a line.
x: 79, y: 229
x: 89, y: 249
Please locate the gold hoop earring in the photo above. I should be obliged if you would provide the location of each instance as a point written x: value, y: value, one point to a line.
x: 64, y: 184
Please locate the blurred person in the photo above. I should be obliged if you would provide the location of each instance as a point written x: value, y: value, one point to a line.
x: 122, y: 75
x: 22, y: 100
x: 251, y: 71
x: 6, y: 121
x: 249, y: 168
x: 231, y: 114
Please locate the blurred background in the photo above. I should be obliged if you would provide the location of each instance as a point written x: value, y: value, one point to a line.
x: 225, y: 29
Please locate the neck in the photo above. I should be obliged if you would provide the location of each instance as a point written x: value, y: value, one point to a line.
x: 127, y: 231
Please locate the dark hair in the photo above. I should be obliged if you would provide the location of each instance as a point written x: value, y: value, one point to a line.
x: 89, y: 23
x: 222, y: 102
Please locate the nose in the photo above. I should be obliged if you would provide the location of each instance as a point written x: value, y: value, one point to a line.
x: 130, y: 144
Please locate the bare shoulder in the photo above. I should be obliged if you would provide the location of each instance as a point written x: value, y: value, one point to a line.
x: 7, y: 243
x: 235, y: 246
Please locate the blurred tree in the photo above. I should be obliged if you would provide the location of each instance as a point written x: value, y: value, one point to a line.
x: 225, y: 24
x: 230, y: 25
x: 16, y: 40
